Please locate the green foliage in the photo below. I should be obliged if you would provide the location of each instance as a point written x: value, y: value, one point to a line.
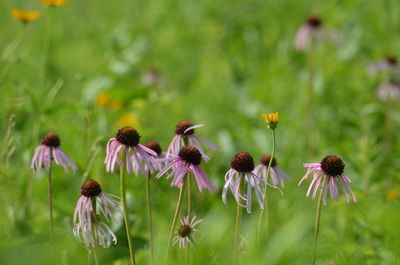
x: 78, y: 70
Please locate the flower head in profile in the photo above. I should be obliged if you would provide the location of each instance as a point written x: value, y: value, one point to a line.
x: 389, y: 91
x: 388, y: 64
x: 185, y: 129
x: 87, y: 229
x: 137, y: 156
x: 328, y: 175
x: 50, y: 150
x: 278, y: 176
x: 54, y: 3
x: 156, y: 147
x: 25, y: 16
x: 106, y: 204
x: 272, y: 120
x: 242, y: 166
x: 312, y: 31
x: 186, y: 231
x: 187, y: 161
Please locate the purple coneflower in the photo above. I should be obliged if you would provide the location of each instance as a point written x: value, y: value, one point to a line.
x: 389, y: 91
x: 186, y: 129
x: 185, y: 232
x: 389, y: 63
x: 328, y: 174
x: 48, y: 150
x: 97, y: 232
x: 151, y: 76
x: 155, y: 146
x: 242, y: 165
x: 91, y: 193
x: 312, y: 30
x: 135, y: 153
x: 278, y: 176
x: 187, y: 160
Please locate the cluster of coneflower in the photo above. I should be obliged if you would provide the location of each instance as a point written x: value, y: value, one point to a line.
x: 181, y: 163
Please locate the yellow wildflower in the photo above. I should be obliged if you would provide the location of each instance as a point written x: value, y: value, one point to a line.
x: 103, y: 99
x: 116, y: 104
x: 54, y: 2
x: 128, y: 119
x: 393, y: 195
x: 25, y: 16
x: 271, y: 119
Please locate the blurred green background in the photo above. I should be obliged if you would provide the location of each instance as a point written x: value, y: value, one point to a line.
x: 89, y: 67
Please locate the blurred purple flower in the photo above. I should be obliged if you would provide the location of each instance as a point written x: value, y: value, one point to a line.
x: 328, y: 174
x: 187, y: 160
x: 151, y: 76
x: 186, y: 129
x: 49, y: 150
x: 390, y: 64
x: 313, y: 31
x: 277, y: 174
x: 389, y: 91
x: 135, y: 153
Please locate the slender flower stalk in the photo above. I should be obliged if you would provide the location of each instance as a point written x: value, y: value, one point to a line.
x: 156, y: 148
x: 174, y: 220
x: 317, y: 225
x: 260, y: 220
x: 149, y: 217
x: 126, y: 217
x: 272, y: 120
x: 239, y: 211
x: 50, y: 202
x: 189, y: 213
x: 95, y: 231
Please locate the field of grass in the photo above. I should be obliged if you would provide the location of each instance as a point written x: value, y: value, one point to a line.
x: 80, y: 70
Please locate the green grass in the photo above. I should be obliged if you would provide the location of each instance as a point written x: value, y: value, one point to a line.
x: 222, y: 63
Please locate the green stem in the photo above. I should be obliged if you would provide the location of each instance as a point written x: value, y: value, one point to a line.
x: 47, y: 45
x: 317, y: 224
x: 94, y: 227
x: 388, y: 126
x: 260, y: 220
x: 126, y: 217
x: 309, y: 123
x: 189, y: 213
x: 89, y: 256
x: 174, y: 221
x: 9, y: 51
x: 239, y: 210
x: 50, y: 198
x: 149, y: 217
